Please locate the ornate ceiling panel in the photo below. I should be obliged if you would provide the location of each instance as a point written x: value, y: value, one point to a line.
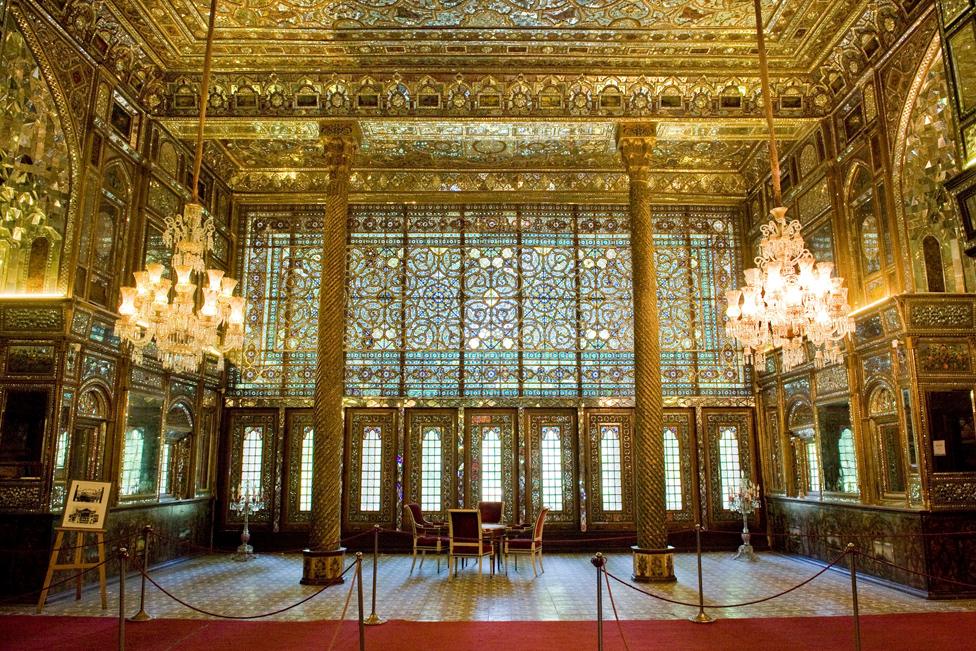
x: 610, y: 35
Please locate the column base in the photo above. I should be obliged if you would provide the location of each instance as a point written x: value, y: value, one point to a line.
x: 323, y: 567
x: 653, y: 565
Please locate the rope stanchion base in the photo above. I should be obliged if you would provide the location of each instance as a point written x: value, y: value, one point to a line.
x: 323, y: 567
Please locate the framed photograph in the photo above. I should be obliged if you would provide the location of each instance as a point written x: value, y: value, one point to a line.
x: 87, y: 505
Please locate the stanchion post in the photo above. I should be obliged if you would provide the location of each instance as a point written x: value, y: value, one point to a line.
x: 373, y: 618
x: 599, y: 562
x: 852, y: 555
x: 359, y: 590
x: 123, y: 558
x: 142, y: 615
x: 702, y: 617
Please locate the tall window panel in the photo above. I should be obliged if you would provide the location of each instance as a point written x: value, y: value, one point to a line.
x: 813, y: 467
x: 491, y: 464
x: 371, y: 470
x: 552, y: 468
x: 672, y: 470
x: 430, y: 484
x: 164, y: 468
x: 728, y: 459
x: 848, y: 461
x: 132, y: 462
x: 252, y: 456
x: 305, y: 476
x: 610, y: 467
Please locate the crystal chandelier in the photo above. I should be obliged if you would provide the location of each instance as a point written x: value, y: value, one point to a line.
x: 788, y: 296
x: 199, y: 313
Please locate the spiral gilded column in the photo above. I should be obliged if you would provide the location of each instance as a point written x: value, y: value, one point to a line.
x: 323, y: 561
x: 652, y: 559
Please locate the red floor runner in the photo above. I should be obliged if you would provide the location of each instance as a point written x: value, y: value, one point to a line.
x: 883, y: 632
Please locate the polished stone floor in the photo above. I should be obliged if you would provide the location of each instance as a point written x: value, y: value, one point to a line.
x: 566, y: 591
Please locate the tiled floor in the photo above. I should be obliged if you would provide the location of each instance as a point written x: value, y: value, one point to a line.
x: 566, y: 591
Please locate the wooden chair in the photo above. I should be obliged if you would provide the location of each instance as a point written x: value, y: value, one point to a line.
x: 424, y: 539
x: 528, y: 546
x: 464, y: 531
x: 491, y: 512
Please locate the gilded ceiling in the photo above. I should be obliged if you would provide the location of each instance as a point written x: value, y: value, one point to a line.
x: 650, y: 36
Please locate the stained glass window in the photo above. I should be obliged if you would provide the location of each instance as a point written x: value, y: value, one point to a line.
x: 610, y: 467
x: 728, y: 460
x: 489, y: 301
x: 430, y: 471
x: 371, y: 469
x: 672, y: 470
x: 305, y: 472
x: 491, y: 464
x: 552, y: 475
x: 251, y: 461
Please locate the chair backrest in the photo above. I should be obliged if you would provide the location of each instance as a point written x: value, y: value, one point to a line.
x: 491, y: 512
x: 418, y: 515
x: 409, y: 523
x: 540, y: 522
x: 464, y: 528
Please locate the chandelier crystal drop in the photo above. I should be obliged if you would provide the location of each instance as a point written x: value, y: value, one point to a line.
x: 788, y: 296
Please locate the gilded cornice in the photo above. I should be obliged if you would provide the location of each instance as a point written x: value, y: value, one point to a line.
x: 501, y: 94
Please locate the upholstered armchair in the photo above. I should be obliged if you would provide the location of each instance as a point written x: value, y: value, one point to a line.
x: 528, y: 546
x: 491, y: 512
x: 425, y: 538
x: 464, y: 531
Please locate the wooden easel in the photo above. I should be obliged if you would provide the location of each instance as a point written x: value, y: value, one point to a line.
x: 77, y: 563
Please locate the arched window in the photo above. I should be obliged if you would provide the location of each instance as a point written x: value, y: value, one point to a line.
x: 934, y: 271
x: 491, y: 465
x: 848, y: 462
x: 252, y: 454
x: 552, y: 471
x: 728, y: 460
x: 430, y: 470
x: 610, y: 468
x: 305, y: 471
x: 672, y: 470
x: 371, y: 470
x: 869, y: 231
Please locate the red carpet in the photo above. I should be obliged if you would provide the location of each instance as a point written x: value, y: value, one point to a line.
x: 883, y: 632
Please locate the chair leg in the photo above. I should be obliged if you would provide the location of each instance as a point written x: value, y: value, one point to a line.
x: 480, y: 561
x: 438, y: 561
x: 492, y: 560
x: 540, y: 562
x: 450, y: 566
x: 423, y: 555
x: 415, y: 560
x: 532, y: 558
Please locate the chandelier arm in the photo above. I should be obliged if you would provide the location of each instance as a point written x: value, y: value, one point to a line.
x: 767, y: 105
x: 204, y: 100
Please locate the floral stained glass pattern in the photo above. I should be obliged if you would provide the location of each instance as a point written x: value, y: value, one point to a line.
x: 489, y: 301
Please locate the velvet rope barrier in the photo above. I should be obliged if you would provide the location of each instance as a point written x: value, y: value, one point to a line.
x: 245, y: 617
x: 736, y: 605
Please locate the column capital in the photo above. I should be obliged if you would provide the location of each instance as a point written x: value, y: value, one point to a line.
x: 340, y: 139
x: 636, y: 141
